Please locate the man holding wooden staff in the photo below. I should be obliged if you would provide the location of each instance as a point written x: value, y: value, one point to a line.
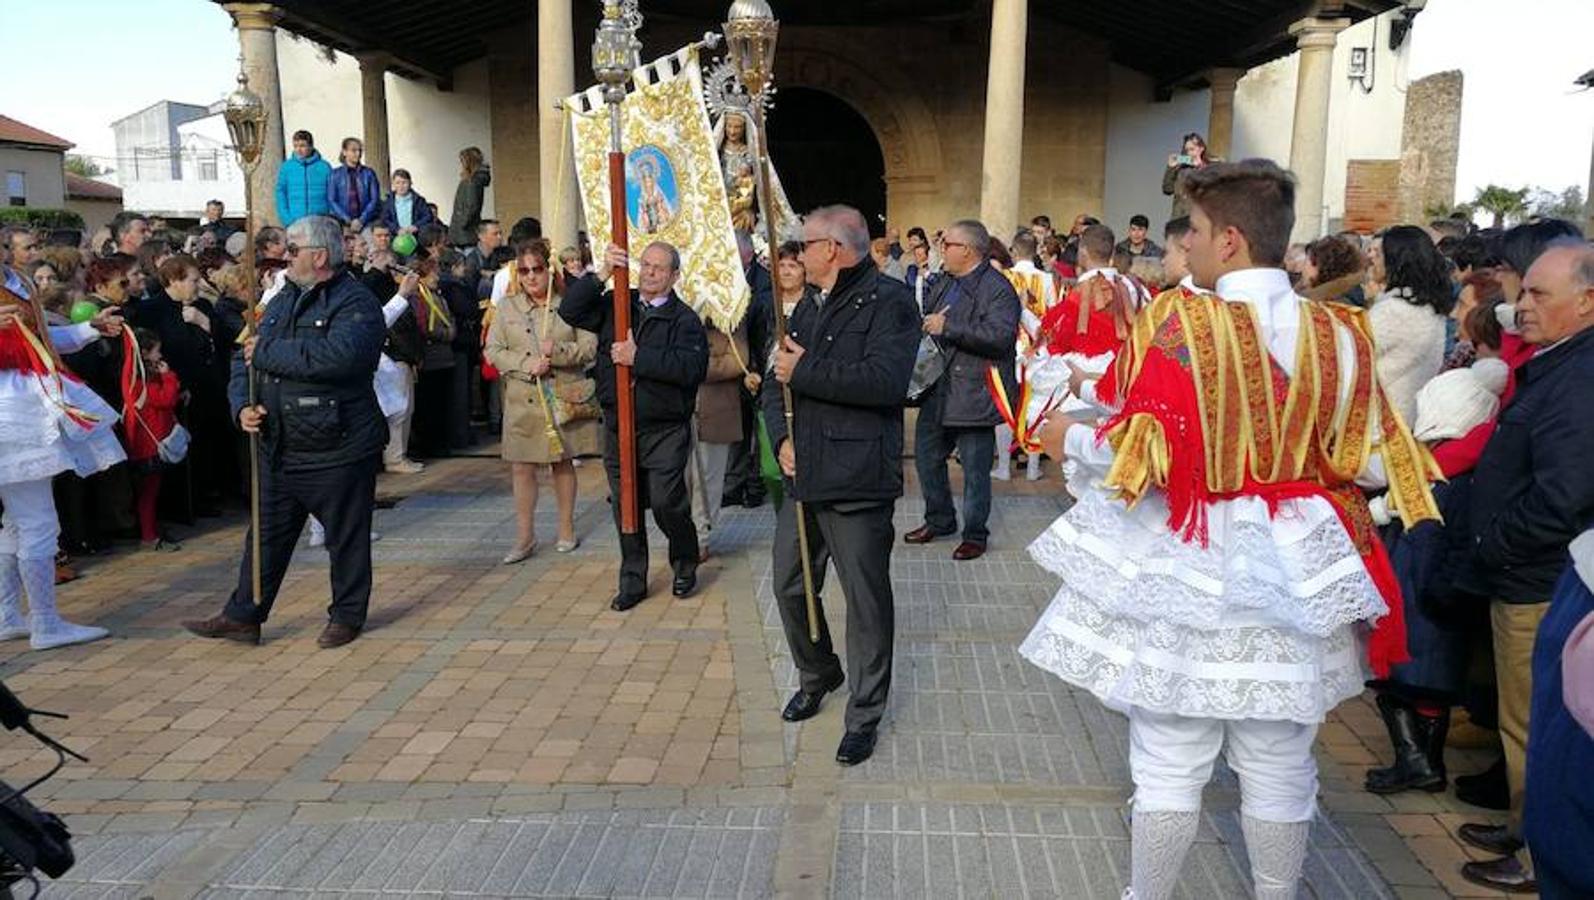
x: 667, y: 355
x: 847, y: 357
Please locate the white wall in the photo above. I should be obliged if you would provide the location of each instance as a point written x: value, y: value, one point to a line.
x: 426, y: 127
x: 186, y: 197
x: 1140, y: 135
x: 1361, y: 125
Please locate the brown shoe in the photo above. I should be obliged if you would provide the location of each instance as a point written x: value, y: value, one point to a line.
x: 221, y: 627
x: 969, y: 550
x: 924, y: 534
x: 336, y: 634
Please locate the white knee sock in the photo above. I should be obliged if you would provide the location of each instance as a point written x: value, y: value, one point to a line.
x: 1158, y: 844
x: 49, y: 629
x: 1277, y: 850
x: 13, y: 624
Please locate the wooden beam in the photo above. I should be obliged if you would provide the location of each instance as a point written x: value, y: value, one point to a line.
x: 406, y: 60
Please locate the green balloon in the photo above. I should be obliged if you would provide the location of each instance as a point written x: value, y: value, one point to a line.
x: 83, y: 311
x: 404, y: 244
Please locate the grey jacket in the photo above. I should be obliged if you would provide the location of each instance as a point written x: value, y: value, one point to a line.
x: 982, y: 316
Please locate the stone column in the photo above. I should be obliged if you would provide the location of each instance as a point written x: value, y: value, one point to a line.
x: 373, y: 108
x: 1004, y: 116
x: 556, y: 79
x: 257, y: 39
x: 1220, y: 121
x: 1314, y: 83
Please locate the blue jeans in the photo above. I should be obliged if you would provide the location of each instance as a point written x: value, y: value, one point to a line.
x: 976, y: 447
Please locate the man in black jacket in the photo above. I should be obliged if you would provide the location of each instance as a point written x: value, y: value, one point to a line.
x: 667, y: 351
x: 974, y: 314
x: 847, y: 359
x: 321, y: 432
x: 1532, y: 493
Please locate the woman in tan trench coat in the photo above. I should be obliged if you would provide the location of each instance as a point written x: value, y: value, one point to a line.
x: 550, y: 403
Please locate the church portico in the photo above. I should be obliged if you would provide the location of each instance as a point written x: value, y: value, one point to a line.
x: 962, y: 130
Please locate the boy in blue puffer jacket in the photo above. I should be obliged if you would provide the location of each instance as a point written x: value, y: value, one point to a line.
x: 302, y: 182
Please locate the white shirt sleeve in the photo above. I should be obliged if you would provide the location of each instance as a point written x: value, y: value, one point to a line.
x: 1080, y: 445
x: 392, y: 309
x: 72, y: 338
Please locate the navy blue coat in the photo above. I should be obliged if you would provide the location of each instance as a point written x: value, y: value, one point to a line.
x: 370, y: 191
x: 849, y: 389
x: 316, y: 353
x: 1533, y: 489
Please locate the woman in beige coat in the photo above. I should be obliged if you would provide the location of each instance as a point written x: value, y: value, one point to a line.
x: 550, y: 403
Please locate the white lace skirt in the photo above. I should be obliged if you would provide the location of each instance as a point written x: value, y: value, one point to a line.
x: 1265, y: 622
x: 37, y: 440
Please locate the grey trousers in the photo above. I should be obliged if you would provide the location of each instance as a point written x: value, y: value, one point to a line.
x: 860, y: 541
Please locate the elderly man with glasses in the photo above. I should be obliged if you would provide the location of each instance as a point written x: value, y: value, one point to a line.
x: 847, y: 358
x: 322, y: 432
x: 974, y: 316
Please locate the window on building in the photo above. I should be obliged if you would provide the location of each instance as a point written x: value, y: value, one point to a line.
x: 208, y: 167
x: 17, y: 188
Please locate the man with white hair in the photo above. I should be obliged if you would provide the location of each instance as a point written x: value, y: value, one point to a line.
x: 847, y: 358
x: 321, y: 432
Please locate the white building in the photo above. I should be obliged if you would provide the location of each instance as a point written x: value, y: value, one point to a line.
x: 173, y: 158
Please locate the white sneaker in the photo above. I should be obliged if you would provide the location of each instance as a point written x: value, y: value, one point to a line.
x: 61, y: 633
x: 1001, y: 474
x: 404, y: 467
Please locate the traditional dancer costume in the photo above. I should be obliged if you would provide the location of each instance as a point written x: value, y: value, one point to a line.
x: 1037, y: 293
x: 1221, y: 575
x: 50, y: 422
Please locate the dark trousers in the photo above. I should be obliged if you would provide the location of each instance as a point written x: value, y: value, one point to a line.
x: 860, y: 543
x: 460, y: 379
x: 341, y: 497
x: 429, y: 429
x: 663, y: 453
x: 976, y: 447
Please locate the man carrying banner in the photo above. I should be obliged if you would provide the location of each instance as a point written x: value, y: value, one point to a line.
x: 847, y: 358
x: 667, y: 351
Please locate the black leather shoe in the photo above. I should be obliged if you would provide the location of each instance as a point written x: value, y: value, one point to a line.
x: 1504, y: 874
x: 684, y: 584
x: 1490, y: 838
x: 623, y: 601
x: 805, y: 705
x: 856, y: 746
x: 1487, y: 789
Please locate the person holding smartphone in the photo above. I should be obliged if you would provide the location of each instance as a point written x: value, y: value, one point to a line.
x: 1192, y: 155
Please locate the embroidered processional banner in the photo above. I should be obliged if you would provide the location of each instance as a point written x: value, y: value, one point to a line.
x: 674, y: 190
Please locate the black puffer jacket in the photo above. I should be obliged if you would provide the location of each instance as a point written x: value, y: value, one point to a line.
x: 982, y: 313
x: 849, y: 389
x: 671, y: 355
x: 314, y: 359
x: 1533, y: 489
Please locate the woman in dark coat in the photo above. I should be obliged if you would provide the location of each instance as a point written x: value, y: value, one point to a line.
x: 474, y: 177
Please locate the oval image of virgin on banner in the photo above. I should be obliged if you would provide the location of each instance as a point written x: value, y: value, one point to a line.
x: 651, y: 195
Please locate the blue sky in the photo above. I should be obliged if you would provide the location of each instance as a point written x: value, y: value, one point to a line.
x: 90, y: 62
x: 75, y: 67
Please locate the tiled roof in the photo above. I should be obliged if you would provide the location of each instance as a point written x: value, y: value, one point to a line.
x: 14, y: 132
x: 80, y: 188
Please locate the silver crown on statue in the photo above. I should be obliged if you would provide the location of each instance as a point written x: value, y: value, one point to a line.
x: 724, y: 92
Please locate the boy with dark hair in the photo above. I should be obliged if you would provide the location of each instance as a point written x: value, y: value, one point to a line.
x: 1207, y: 658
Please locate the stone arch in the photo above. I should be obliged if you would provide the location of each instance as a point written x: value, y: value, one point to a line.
x: 887, y: 99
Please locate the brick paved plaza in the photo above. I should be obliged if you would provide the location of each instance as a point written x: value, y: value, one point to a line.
x: 499, y: 731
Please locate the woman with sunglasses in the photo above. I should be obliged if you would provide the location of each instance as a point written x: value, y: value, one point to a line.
x: 550, y: 402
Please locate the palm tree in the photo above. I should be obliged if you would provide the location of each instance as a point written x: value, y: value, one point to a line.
x: 1501, y: 203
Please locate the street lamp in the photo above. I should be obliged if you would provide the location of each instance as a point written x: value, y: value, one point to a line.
x: 615, y: 53
x: 750, y: 33
x: 245, y: 114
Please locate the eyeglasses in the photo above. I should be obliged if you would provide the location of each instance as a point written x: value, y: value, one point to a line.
x: 533, y: 270
x: 809, y: 242
x: 953, y: 244
x: 293, y: 249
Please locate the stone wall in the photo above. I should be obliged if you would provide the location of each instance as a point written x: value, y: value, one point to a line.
x: 1430, y: 144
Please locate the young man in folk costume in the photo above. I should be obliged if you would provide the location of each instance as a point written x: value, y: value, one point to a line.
x: 1222, y: 579
x: 50, y: 422
x: 1083, y: 331
x: 1037, y: 293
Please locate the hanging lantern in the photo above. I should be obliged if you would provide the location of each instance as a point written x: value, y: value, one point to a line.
x: 246, y: 122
